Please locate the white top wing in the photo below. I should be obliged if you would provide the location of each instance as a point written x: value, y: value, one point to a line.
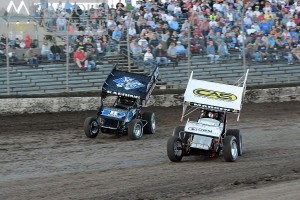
x: 214, y: 96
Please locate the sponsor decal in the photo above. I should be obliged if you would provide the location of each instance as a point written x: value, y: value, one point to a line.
x: 122, y: 94
x: 192, y: 128
x: 17, y: 10
x: 128, y: 83
x: 214, y: 107
x: 113, y: 113
x: 204, y: 130
x: 214, y: 94
x: 199, y: 129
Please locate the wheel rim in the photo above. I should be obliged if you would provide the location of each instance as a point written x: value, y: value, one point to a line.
x: 137, y: 130
x: 177, y: 148
x: 94, y: 127
x: 234, y: 150
x: 153, y: 125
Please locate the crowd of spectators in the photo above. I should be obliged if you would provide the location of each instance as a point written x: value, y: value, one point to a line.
x: 160, y: 32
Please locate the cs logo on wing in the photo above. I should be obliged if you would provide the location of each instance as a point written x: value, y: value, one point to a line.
x: 214, y: 94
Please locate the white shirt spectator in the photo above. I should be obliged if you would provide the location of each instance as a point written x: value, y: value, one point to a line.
x: 137, y: 5
x: 240, y: 38
x: 217, y: 6
x: 250, y: 12
x: 146, y: 15
x: 131, y: 31
x: 230, y: 16
x: 177, y: 9
x: 195, y: 7
x: 148, y: 56
x: 247, y: 20
x: 212, y: 23
x: 256, y: 13
x: 169, y: 18
x: 171, y: 7
x: 60, y: 7
x: 143, y: 43
x: 290, y: 24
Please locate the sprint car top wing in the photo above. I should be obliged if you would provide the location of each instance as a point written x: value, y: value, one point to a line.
x: 122, y: 83
x: 215, y: 96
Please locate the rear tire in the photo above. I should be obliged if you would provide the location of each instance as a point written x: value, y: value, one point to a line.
x: 91, y: 127
x: 230, y: 148
x: 175, y: 149
x: 135, y: 129
x: 236, y: 133
x: 150, y: 127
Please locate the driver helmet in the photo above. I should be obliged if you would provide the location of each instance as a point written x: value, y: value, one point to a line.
x: 213, y: 115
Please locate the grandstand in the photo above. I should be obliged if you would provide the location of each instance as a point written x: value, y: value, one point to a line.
x: 65, y: 77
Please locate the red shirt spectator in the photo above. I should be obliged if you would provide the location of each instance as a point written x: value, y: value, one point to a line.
x: 80, y: 58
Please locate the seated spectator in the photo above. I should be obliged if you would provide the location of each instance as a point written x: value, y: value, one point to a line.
x: 177, y: 11
x: 223, y: 51
x: 195, y: 44
x: 287, y: 54
x: 296, y: 52
x: 180, y: 50
x: 172, y: 54
x: 68, y: 49
x: 116, y: 35
x: 262, y: 50
x: 31, y: 58
x: 27, y: 42
x: 80, y: 58
x: 211, y: 52
x: 99, y: 46
x: 149, y: 58
x: 137, y: 51
x: 132, y: 31
x: 164, y: 39
x: 46, y: 52
x: 61, y: 23
x: 174, y: 25
x: 161, y: 55
x: 92, y: 58
x: 143, y: 43
x: 56, y: 51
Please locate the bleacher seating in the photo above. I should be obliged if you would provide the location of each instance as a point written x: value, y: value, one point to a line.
x: 51, y: 78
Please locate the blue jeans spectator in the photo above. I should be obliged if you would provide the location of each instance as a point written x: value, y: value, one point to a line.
x: 91, y: 65
x: 213, y: 58
x: 164, y: 60
x: 289, y: 58
x: 257, y: 57
x: 33, y: 61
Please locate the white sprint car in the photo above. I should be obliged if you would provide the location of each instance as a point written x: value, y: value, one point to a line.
x: 208, y: 134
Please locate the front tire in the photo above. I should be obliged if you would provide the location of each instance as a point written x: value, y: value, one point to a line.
x: 230, y: 148
x: 91, y: 127
x: 175, y: 149
x: 135, y: 129
x: 236, y: 133
x: 150, y: 127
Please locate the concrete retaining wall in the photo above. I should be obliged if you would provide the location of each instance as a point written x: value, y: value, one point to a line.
x: 61, y: 104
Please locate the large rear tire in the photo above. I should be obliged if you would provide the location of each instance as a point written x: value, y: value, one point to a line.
x: 175, y: 149
x: 230, y: 148
x: 150, y: 127
x: 91, y: 127
x: 135, y: 129
x: 236, y: 133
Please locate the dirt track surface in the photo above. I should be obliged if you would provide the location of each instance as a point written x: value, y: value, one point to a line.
x: 48, y: 156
